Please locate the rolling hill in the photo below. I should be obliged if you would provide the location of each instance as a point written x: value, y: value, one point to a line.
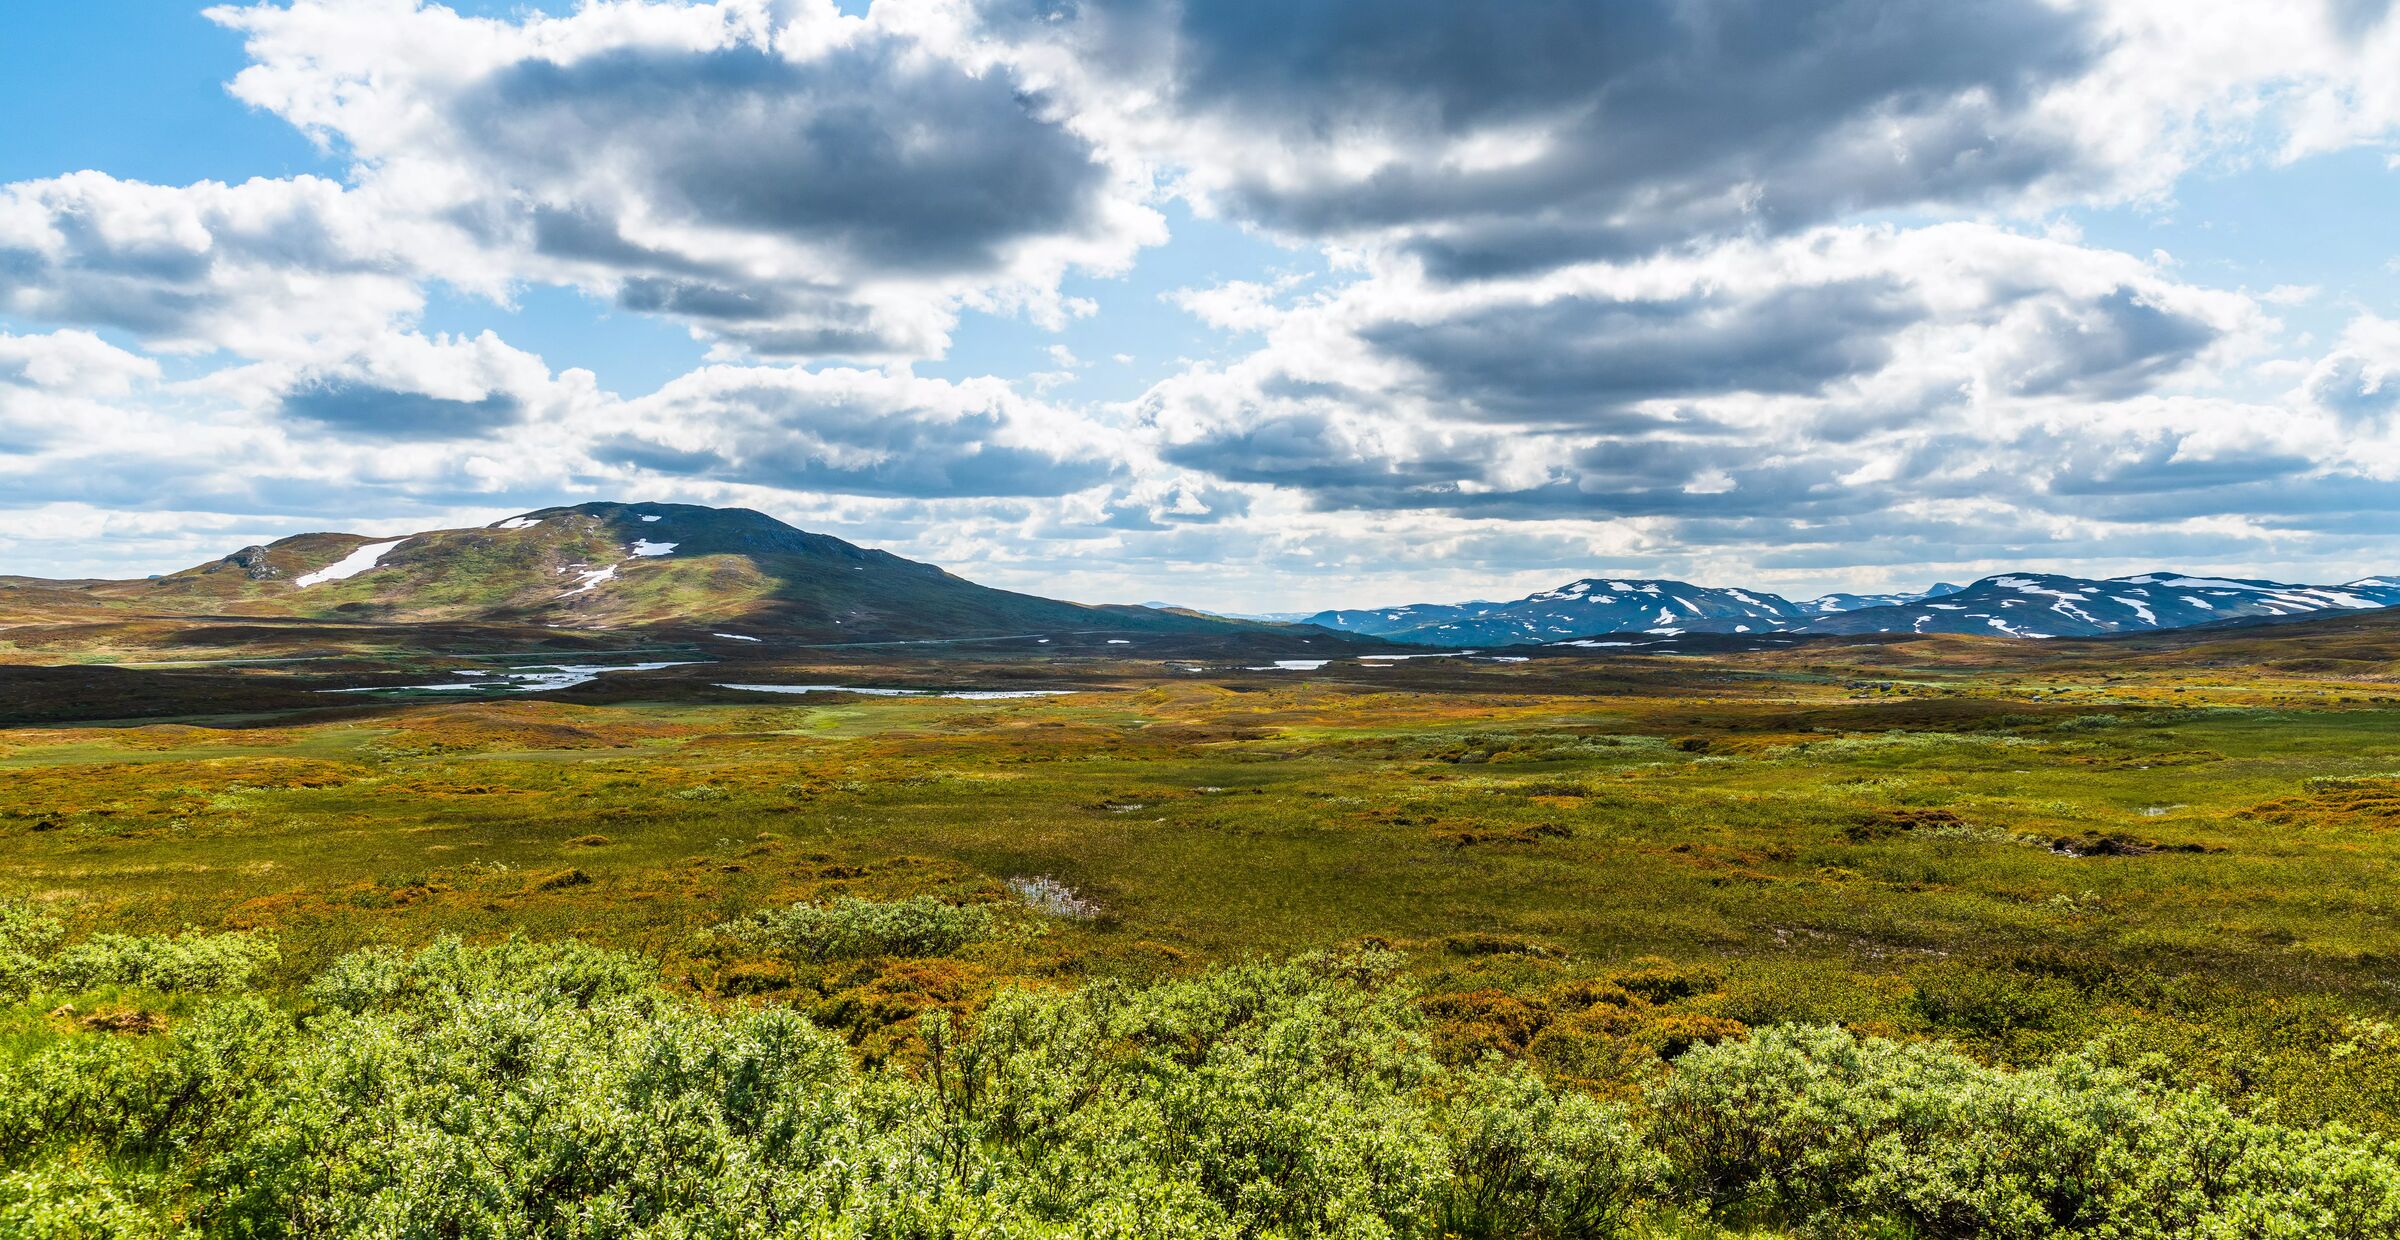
x: 597, y: 566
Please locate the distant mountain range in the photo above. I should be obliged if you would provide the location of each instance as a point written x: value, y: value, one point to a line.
x: 2049, y: 605
x: 740, y: 575
x: 1576, y: 609
x: 2008, y: 605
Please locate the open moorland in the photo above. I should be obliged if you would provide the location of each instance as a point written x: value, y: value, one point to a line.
x: 2173, y: 857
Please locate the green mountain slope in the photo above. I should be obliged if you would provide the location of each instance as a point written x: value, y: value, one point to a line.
x: 601, y: 566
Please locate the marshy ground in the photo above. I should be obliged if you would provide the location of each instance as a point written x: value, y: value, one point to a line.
x: 1589, y: 863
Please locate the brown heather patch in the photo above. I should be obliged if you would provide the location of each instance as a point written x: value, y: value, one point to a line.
x: 1530, y: 833
x: 2147, y: 761
x: 2373, y: 804
x: 1592, y: 1031
x: 134, y: 1022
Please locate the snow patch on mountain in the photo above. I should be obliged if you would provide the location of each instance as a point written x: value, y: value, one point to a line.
x: 591, y: 578
x: 348, y: 566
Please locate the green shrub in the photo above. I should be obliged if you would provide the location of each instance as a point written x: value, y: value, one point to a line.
x: 71, y: 1200
x: 854, y: 929
x: 450, y: 974
x: 523, y: 1089
x: 32, y: 959
x: 1528, y: 1160
x: 1986, y: 1004
x: 27, y: 937
x: 1815, y: 1124
x: 190, y: 961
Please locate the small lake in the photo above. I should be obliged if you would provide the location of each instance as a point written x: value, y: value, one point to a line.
x: 970, y: 695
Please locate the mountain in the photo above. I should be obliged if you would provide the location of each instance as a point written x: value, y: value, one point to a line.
x: 1390, y: 621
x: 1577, y: 609
x: 1263, y: 617
x: 2011, y: 605
x: 1833, y: 604
x: 2049, y: 605
x: 599, y: 566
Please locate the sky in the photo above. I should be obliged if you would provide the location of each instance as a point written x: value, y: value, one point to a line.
x: 1248, y: 304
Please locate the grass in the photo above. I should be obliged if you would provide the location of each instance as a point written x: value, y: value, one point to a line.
x: 2016, y: 859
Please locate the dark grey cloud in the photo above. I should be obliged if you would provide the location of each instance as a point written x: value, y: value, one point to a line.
x: 782, y: 319
x: 786, y: 429
x: 2318, y: 498
x: 900, y: 161
x: 872, y: 162
x: 2112, y: 347
x: 262, y: 266
x: 148, y: 298
x: 1320, y: 453
x: 771, y: 176
x: 579, y: 233
x: 1310, y: 450
x: 1661, y: 120
x: 367, y: 410
x: 1519, y: 402
x: 2164, y: 466
x: 1573, y: 360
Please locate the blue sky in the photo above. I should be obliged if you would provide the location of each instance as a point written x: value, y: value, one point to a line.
x: 1340, y: 304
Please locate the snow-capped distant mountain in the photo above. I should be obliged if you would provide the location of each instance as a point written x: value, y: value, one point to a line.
x: 1834, y: 604
x: 1577, y: 609
x: 1386, y: 621
x: 2048, y: 605
x: 2008, y: 605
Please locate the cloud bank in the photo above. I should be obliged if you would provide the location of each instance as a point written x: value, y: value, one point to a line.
x: 1786, y: 288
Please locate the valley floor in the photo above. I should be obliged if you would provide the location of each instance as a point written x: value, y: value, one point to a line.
x: 2157, y: 857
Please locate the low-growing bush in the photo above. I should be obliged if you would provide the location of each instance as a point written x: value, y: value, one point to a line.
x: 191, y: 961
x: 31, y: 958
x: 27, y: 937
x: 1818, y: 1125
x: 525, y: 1089
x: 852, y: 929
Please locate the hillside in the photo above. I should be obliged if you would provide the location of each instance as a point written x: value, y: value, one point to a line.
x: 596, y: 566
x: 1831, y: 604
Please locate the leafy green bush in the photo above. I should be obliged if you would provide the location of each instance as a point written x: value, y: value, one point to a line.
x: 1815, y: 1124
x: 1530, y: 1161
x: 854, y: 929
x: 73, y: 1201
x: 190, y: 961
x: 27, y: 937
x: 31, y: 958
x: 448, y: 974
x: 524, y: 1089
